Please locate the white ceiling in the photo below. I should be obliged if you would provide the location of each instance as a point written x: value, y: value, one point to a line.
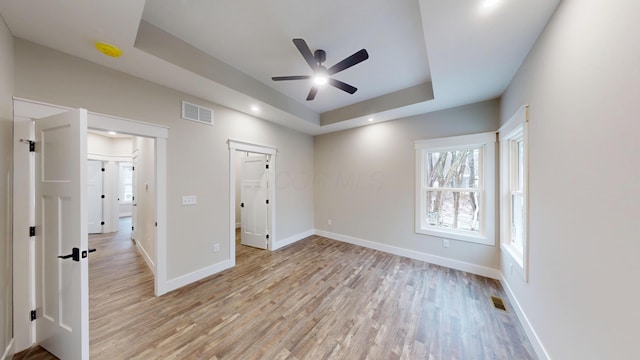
x: 424, y: 55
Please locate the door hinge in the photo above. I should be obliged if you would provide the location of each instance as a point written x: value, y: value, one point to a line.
x: 241, y: 205
x: 133, y: 168
x: 267, y: 201
x: 102, y: 169
x: 267, y: 236
x: 156, y: 224
x: 102, y: 223
x: 32, y: 144
x: 267, y: 166
x: 32, y: 231
x: 102, y: 196
x: 32, y: 314
x: 132, y: 228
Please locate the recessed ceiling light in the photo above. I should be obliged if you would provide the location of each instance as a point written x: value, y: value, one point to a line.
x: 487, y: 6
x: 255, y: 108
x: 370, y: 119
x: 112, y: 133
x: 108, y: 49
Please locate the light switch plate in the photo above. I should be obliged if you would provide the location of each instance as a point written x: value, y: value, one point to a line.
x: 189, y: 200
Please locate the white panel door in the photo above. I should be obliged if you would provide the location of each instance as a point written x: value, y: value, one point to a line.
x: 134, y: 190
x: 62, y: 284
x: 253, y: 201
x: 94, y: 196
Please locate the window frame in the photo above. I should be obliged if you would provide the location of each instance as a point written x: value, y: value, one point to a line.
x: 121, y: 184
x: 514, y: 130
x: 486, y: 188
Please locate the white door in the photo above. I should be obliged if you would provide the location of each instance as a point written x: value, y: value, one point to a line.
x: 62, y: 284
x: 95, y: 196
x: 134, y: 203
x: 253, y: 201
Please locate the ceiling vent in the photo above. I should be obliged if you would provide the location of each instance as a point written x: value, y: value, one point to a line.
x: 197, y: 113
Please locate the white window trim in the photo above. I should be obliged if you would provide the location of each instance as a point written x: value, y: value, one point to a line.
x: 515, y: 127
x: 121, y: 166
x: 488, y: 143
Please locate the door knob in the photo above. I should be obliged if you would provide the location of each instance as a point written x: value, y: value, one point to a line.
x: 76, y: 254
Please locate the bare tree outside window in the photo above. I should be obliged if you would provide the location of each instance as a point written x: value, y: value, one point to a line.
x: 453, y: 189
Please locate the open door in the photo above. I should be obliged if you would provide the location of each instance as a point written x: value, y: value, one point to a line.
x: 134, y: 204
x: 62, y: 276
x: 95, y: 196
x: 253, y: 201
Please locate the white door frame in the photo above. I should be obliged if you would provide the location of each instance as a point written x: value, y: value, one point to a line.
x: 23, y: 272
x: 234, y: 147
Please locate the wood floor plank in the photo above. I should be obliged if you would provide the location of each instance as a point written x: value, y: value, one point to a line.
x: 315, y: 299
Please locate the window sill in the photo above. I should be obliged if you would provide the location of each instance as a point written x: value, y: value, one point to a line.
x: 477, y: 239
x: 517, y: 263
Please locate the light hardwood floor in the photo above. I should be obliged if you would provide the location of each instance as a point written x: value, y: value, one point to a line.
x: 315, y: 299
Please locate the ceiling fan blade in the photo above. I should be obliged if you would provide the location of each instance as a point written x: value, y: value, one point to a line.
x: 306, y: 52
x: 354, y: 59
x: 312, y: 93
x: 296, y: 77
x: 343, y: 86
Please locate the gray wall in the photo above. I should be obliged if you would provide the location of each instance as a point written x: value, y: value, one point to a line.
x: 6, y: 158
x: 197, y: 154
x: 582, y: 81
x: 144, y: 193
x: 365, y: 181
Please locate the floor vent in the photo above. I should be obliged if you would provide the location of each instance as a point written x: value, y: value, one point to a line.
x: 498, y: 303
x: 197, y: 113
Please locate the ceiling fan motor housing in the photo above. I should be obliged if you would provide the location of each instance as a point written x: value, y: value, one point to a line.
x: 320, y: 56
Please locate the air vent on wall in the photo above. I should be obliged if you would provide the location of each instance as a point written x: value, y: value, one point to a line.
x: 197, y: 113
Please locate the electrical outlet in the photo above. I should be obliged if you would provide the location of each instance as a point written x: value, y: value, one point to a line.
x: 216, y: 248
x: 445, y: 243
x: 189, y: 200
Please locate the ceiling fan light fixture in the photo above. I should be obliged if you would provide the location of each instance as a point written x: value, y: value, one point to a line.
x: 320, y: 79
x: 320, y: 76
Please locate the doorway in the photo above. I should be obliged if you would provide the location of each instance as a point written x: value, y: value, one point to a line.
x: 260, y: 183
x: 24, y: 245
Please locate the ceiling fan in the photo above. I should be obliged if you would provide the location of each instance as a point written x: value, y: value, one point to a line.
x: 321, y: 75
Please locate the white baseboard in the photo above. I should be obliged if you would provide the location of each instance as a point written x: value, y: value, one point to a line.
x: 433, y: 259
x: 531, y: 333
x: 291, y: 239
x: 146, y: 258
x: 189, y: 278
x: 9, y: 351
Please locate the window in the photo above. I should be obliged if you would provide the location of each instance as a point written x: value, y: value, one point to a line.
x: 513, y: 187
x: 126, y: 182
x: 455, y: 187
